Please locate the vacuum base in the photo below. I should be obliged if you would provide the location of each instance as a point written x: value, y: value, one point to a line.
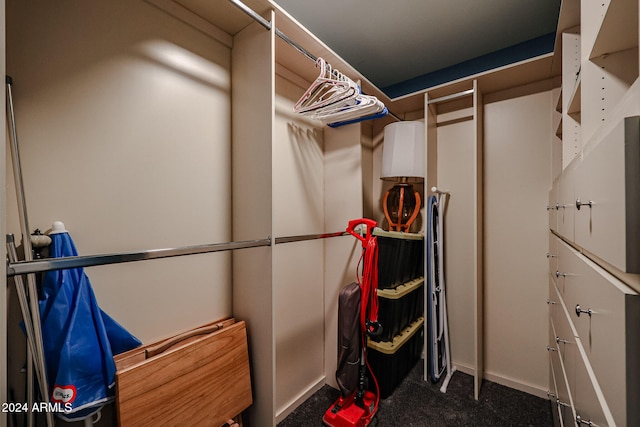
x: 346, y: 413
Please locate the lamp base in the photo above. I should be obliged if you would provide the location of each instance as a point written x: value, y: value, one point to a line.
x: 401, y: 205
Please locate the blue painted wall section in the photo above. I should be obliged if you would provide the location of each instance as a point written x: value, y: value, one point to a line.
x: 509, y: 55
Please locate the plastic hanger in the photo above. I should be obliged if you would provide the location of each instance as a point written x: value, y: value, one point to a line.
x: 382, y: 113
x: 364, y: 105
x: 367, y: 108
x: 336, y: 100
x: 353, y: 100
x: 326, y: 89
x: 335, y: 92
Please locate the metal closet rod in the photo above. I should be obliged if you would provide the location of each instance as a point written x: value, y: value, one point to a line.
x: 267, y: 24
x: 451, y: 97
x: 304, y: 237
x: 51, y: 264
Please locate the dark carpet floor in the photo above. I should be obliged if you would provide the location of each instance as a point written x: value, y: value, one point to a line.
x: 417, y: 403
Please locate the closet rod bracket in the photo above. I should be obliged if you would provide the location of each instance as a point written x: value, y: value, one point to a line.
x: 246, y: 9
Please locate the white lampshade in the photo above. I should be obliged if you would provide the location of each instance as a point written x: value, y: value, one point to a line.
x: 403, y: 151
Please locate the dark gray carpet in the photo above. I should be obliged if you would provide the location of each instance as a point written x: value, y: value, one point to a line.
x: 416, y: 403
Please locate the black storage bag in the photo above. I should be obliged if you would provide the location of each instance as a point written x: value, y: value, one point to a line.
x: 349, y: 339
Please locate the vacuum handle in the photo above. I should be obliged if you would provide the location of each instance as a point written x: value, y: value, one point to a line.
x: 374, y: 329
x: 371, y: 224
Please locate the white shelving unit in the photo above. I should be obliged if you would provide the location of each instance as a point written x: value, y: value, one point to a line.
x: 593, y: 268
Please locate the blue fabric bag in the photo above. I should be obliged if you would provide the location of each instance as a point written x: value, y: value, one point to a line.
x: 79, y: 339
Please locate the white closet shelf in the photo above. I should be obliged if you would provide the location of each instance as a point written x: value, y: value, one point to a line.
x: 618, y: 30
x: 568, y: 21
x: 573, y: 109
x: 559, y: 129
x: 222, y: 14
x: 559, y: 102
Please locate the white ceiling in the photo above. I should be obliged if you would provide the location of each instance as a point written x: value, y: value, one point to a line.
x: 392, y: 41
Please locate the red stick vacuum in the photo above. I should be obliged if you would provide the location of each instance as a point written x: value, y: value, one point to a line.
x: 358, y: 408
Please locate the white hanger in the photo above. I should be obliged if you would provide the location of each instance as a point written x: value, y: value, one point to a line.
x: 330, y: 87
x: 334, y: 98
x: 365, y: 105
x: 346, y: 99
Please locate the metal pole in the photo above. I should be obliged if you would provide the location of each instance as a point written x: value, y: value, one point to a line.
x: 452, y: 96
x: 246, y: 9
x: 51, y: 264
x: 23, y: 300
x: 30, y: 391
x: 26, y: 244
x: 301, y: 238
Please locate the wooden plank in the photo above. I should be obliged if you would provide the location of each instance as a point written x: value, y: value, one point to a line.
x: 204, y: 383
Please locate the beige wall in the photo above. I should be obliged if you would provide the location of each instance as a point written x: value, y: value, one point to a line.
x: 126, y: 139
x: 455, y: 149
x: 518, y: 139
x: 378, y: 187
